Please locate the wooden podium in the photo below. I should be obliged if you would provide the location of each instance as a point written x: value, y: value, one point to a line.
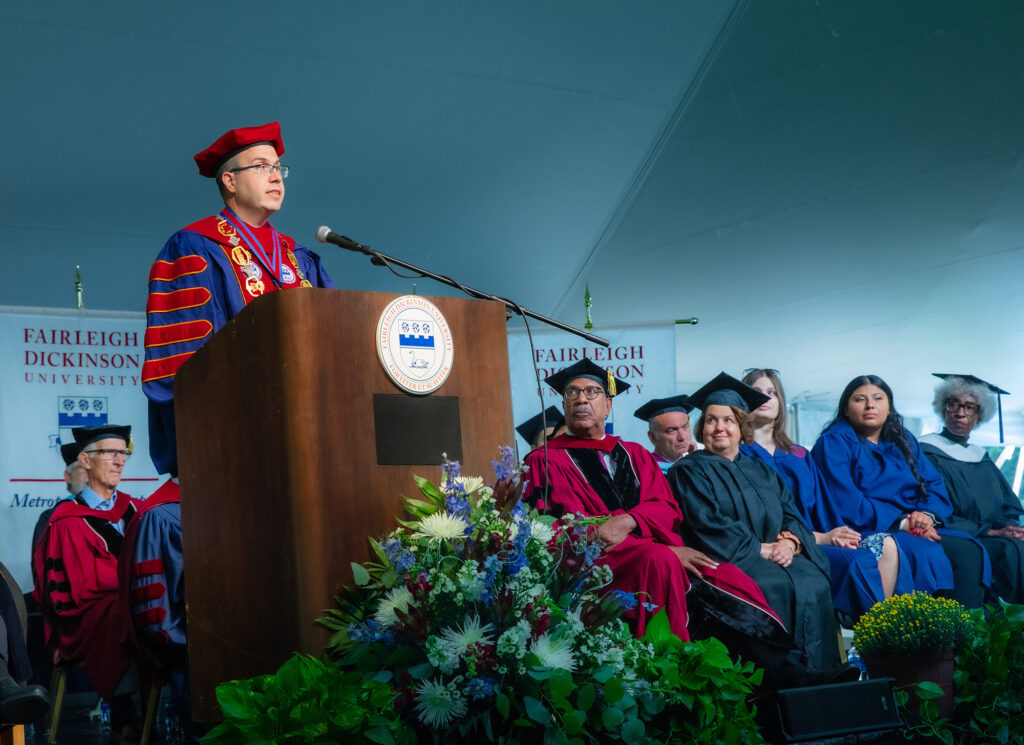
x: 283, y: 420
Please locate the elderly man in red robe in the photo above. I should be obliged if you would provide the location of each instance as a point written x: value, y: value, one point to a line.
x: 590, y: 472
x: 75, y: 569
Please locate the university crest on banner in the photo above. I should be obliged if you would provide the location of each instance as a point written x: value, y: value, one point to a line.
x: 79, y: 411
x: 414, y: 344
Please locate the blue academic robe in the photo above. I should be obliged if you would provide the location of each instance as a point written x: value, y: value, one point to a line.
x: 870, y: 487
x: 856, y: 582
x: 194, y: 290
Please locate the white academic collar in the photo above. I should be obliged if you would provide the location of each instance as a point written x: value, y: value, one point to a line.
x: 956, y: 451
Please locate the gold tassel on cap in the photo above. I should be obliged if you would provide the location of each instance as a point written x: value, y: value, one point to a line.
x: 611, y: 384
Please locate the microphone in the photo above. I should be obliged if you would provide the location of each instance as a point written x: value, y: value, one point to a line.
x: 325, y: 235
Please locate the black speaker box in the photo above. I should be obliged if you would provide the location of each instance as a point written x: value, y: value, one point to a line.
x: 817, y: 712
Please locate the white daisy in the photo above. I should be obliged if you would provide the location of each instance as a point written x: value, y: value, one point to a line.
x: 441, y: 526
x: 471, y: 632
x: 438, y: 704
x: 554, y: 652
x: 398, y: 597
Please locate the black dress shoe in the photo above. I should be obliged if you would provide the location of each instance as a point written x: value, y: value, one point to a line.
x: 21, y: 704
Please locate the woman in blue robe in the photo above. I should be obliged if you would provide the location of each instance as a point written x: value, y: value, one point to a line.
x: 866, y: 569
x: 877, y: 479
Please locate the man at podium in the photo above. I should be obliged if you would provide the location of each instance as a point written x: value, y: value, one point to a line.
x: 208, y: 271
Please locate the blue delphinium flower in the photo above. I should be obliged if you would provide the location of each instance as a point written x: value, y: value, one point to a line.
x: 399, y: 556
x: 626, y: 599
x: 370, y: 631
x: 452, y: 470
x: 457, y: 505
x: 650, y: 607
x: 479, y: 688
x: 506, y: 468
x: 591, y: 552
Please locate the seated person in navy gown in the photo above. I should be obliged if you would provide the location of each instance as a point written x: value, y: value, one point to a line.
x: 984, y: 506
x: 586, y: 471
x: 668, y: 427
x: 866, y: 569
x: 539, y: 429
x: 738, y: 510
x: 877, y: 479
x: 153, y: 590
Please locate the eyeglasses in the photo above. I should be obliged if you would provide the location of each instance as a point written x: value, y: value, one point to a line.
x: 952, y: 406
x: 110, y: 454
x: 263, y: 169
x: 590, y: 392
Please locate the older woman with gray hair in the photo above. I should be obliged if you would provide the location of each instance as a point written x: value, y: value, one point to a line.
x: 983, y: 503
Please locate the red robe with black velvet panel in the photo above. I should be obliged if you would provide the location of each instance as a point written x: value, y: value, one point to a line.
x: 643, y: 562
x: 76, y: 586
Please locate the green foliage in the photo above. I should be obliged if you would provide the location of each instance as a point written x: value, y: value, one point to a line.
x: 699, y: 692
x: 306, y: 701
x: 912, y: 624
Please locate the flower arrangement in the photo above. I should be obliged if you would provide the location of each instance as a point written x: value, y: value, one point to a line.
x: 489, y: 622
x: 912, y: 625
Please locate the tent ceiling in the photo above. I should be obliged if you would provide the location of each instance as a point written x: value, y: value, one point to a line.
x: 832, y: 187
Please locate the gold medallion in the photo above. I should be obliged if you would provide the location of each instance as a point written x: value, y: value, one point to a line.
x: 254, y: 286
x: 241, y: 256
x: 305, y: 283
x: 224, y: 228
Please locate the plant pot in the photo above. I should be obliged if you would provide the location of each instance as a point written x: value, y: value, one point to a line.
x: 937, y: 667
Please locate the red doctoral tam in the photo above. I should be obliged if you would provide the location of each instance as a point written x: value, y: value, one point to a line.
x: 235, y: 141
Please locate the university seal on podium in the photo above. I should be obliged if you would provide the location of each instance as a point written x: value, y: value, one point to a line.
x: 414, y: 344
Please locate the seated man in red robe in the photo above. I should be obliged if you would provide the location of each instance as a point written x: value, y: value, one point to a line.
x: 75, y: 569
x: 587, y: 471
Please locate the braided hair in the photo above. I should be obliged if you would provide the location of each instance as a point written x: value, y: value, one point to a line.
x: 892, y: 428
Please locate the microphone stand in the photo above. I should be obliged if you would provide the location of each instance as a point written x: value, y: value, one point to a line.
x: 379, y: 259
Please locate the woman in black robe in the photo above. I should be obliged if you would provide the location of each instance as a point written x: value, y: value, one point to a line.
x: 984, y: 506
x: 738, y: 510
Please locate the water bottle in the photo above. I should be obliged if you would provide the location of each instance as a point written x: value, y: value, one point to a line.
x: 104, y: 715
x: 854, y: 658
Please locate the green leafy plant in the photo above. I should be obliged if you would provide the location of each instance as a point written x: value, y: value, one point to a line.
x: 307, y: 701
x: 911, y: 625
x: 989, y: 684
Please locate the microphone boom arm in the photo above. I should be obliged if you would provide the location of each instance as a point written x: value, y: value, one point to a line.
x: 379, y: 259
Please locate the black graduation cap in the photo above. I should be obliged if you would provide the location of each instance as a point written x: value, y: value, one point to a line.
x: 725, y: 390
x: 586, y: 368
x: 69, y: 452
x: 532, y: 426
x: 87, y: 435
x: 978, y: 381
x: 971, y: 379
x: 657, y: 406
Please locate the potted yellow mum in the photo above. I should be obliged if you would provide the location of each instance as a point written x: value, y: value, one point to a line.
x: 913, y: 638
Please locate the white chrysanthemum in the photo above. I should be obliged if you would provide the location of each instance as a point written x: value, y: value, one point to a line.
x: 554, y: 652
x: 541, y: 532
x: 438, y: 704
x: 441, y: 526
x: 398, y: 597
x: 470, y: 483
x: 472, y: 632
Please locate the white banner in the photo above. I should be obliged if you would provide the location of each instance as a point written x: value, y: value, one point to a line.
x: 643, y: 356
x: 62, y: 369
